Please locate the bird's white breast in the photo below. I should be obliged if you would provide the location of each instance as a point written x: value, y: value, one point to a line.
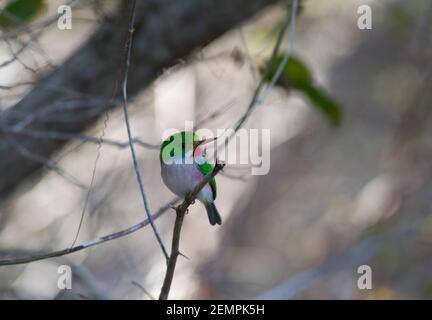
x: 182, y: 178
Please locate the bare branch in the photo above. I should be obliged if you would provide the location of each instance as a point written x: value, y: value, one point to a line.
x: 139, y: 286
x: 47, y: 163
x: 181, y: 210
x: 351, y: 258
x: 260, y: 95
x: 77, y: 136
x: 90, y: 243
x: 129, y: 130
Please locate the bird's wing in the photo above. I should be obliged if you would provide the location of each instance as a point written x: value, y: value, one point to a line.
x: 205, y: 169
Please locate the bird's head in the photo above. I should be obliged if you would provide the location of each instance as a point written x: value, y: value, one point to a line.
x: 181, y: 145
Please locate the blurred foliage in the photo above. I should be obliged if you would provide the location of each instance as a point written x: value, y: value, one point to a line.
x: 296, y: 75
x: 392, y: 259
x: 381, y: 293
x: 17, y: 12
x: 426, y: 292
x: 399, y: 19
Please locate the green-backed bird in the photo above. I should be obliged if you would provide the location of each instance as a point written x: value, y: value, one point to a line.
x: 184, y: 165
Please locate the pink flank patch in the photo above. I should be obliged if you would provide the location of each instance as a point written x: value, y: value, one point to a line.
x: 198, y: 152
x: 197, y: 176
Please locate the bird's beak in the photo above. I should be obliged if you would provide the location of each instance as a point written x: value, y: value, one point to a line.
x: 203, y: 142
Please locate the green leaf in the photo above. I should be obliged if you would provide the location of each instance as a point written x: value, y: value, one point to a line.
x: 324, y: 103
x: 296, y: 75
x: 17, y: 12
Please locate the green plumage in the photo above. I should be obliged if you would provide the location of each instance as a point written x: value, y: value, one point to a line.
x: 205, y: 169
x: 183, y: 161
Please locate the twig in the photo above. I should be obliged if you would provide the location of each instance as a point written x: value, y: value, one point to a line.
x: 23, y: 27
x: 33, y: 37
x: 90, y: 243
x: 259, y: 96
x: 93, y: 176
x: 139, y: 286
x: 17, y: 58
x: 56, y: 135
x: 351, y: 258
x: 47, y: 163
x: 15, y: 55
x: 181, y: 210
x: 288, y: 52
x: 128, y: 48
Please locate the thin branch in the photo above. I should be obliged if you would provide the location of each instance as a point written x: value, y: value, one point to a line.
x: 16, y: 57
x: 47, y: 163
x: 33, y: 37
x: 90, y: 243
x: 213, y: 115
x: 36, y: 27
x: 55, y: 135
x: 358, y: 254
x: 181, y: 210
x: 259, y: 96
x: 288, y: 52
x: 15, y: 54
x: 139, y: 286
x: 90, y: 188
x: 129, y: 130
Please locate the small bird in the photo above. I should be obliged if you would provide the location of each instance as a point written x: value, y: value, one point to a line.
x: 184, y: 165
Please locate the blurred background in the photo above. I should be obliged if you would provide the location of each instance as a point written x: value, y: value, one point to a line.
x: 336, y: 197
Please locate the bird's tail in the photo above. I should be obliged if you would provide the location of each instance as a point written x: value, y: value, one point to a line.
x: 213, y: 214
